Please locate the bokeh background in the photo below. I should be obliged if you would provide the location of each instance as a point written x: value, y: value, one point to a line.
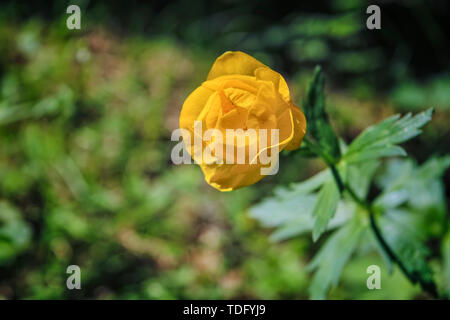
x: 85, y: 123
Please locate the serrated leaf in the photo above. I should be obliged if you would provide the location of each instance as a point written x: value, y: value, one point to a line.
x: 433, y: 168
x: 318, y: 123
x: 290, y: 211
x: 420, y: 186
x: 359, y: 176
x: 407, y: 243
x: 375, y: 153
x: 380, y: 140
x: 274, y: 212
x: 396, y: 172
x: 306, y: 186
x: 295, y: 227
x: 325, y: 207
x: 333, y: 256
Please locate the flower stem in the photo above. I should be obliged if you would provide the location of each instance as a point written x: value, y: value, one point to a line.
x: 413, y: 278
x: 429, y: 287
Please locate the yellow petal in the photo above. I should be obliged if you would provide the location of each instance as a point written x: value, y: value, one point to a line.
x: 299, y: 128
x: 234, y: 62
x: 222, y: 82
x: 227, y: 177
x: 193, y: 106
x: 236, y: 118
x: 268, y: 74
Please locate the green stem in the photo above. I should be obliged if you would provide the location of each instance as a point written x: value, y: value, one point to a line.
x: 426, y: 286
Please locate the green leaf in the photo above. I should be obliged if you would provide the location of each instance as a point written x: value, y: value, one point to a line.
x: 380, y: 140
x: 306, y: 186
x: 325, y: 207
x: 375, y: 153
x: 433, y: 168
x: 407, y: 243
x: 275, y: 212
x: 318, y: 123
x: 290, y: 211
x: 333, y: 256
x: 419, y: 186
x: 359, y: 176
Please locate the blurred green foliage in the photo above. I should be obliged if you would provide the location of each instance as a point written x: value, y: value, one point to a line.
x: 85, y: 170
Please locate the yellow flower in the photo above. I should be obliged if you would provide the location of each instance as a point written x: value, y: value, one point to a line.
x: 241, y: 93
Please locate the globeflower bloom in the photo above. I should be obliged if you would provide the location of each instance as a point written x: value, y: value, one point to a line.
x: 243, y: 95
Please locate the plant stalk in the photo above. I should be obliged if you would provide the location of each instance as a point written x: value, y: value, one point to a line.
x: 413, y: 278
x: 428, y: 287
